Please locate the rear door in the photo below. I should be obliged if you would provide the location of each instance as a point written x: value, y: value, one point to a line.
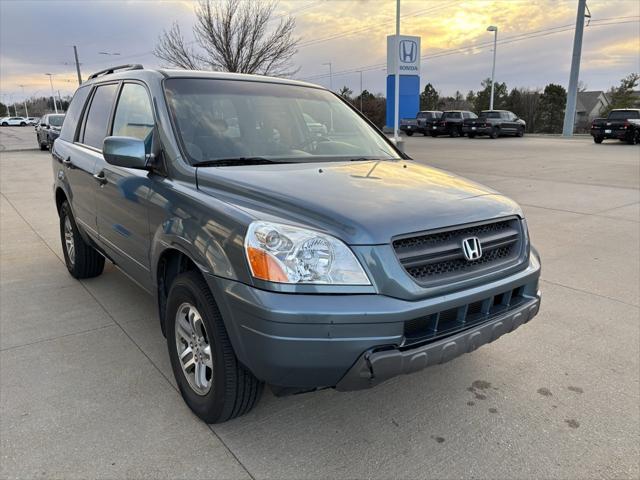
x: 122, y: 197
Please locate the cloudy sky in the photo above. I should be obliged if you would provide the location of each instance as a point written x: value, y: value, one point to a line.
x: 535, y: 40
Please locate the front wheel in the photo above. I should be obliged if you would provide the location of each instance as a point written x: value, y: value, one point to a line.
x: 409, y: 134
x: 211, y: 380
x: 598, y: 139
x: 494, y: 133
x: 520, y: 132
x: 5, y: 124
x: 81, y: 259
x: 454, y: 132
x: 22, y: 124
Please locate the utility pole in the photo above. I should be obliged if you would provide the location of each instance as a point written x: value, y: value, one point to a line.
x: 75, y: 53
x: 60, y: 100
x: 24, y: 99
x: 330, y: 76
x: 53, y: 95
x: 572, y: 94
x: 361, y: 91
x: 396, y: 90
x: 493, y: 29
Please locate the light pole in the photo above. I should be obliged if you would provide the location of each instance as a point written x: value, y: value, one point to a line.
x: 493, y: 29
x: 330, y: 76
x: 53, y: 95
x: 24, y: 99
x: 396, y: 90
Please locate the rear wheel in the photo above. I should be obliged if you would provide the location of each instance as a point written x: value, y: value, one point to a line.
x: 211, y: 380
x: 22, y: 124
x: 493, y: 133
x: 5, y: 124
x: 598, y: 139
x: 454, y: 132
x: 433, y: 134
x: 471, y: 135
x: 81, y: 259
x: 634, y: 138
x: 409, y: 134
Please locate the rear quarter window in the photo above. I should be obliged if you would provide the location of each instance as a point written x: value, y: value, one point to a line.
x: 70, y: 124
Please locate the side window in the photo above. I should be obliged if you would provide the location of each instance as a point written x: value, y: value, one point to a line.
x: 95, y: 128
x: 68, y: 131
x: 134, y: 116
x: 465, y: 115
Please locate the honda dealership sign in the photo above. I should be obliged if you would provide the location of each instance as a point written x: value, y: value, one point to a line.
x: 406, y: 54
x: 403, y: 53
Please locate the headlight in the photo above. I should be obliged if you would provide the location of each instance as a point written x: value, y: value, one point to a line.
x: 287, y: 254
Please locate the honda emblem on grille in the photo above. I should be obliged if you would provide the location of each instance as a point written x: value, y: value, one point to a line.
x: 471, y: 248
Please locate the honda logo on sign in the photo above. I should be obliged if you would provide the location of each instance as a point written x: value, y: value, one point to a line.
x: 471, y: 248
x: 408, y: 51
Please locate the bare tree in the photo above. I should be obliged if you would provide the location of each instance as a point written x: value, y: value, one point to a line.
x: 233, y: 36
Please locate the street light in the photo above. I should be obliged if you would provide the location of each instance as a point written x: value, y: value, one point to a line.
x: 53, y: 95
x: 493, y: 29
x: 330, y: 76
x: 24, y: 99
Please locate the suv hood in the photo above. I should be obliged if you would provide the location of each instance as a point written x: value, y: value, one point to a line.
x: 363, y: 203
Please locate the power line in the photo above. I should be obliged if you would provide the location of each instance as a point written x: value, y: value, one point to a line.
x: 479, y: 46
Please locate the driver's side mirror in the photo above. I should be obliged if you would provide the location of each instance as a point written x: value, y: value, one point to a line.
x: 125, y: 152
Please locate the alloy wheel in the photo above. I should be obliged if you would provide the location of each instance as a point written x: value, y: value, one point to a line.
x: 193, y: 345
x: 68, y: 241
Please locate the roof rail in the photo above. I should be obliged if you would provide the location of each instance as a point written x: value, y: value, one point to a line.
x: 107, y: 71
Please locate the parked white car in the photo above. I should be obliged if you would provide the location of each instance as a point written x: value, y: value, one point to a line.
x: 14, y: 121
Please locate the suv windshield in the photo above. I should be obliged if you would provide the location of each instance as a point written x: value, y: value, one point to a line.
x: 56, y: 120
x: 489, y: 114
x: 623, y: 114
x: 231, y: 119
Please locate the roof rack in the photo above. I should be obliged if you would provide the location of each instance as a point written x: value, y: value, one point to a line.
x: 107, y: 71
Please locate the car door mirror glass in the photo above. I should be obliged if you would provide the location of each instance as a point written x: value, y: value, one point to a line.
x: 125, y: 152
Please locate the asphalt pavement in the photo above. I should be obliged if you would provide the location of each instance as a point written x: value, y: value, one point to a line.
x: 86, y: 388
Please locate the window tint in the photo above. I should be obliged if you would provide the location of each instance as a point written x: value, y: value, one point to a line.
x: 98, y: 117
x: 134, y: 117
x: 465, y: 115
x: 68, y: 131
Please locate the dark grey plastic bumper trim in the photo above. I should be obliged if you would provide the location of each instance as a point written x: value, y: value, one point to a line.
x: 374, y: 367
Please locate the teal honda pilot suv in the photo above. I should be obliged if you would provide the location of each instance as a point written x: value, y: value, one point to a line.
x: 285, y: 239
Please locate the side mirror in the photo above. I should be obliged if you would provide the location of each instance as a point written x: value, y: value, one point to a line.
x: 125, y: 152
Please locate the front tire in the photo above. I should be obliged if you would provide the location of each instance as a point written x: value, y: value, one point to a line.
x: 81, y: 259
x: 5, y: 124
x: 520, y: 132
x: 213, y: 383
x: 494, y: 133
x: 409, y: 134
x: 598, y: 140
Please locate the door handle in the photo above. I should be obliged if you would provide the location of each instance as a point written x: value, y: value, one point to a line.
x: 100, y: 178
x: 67, y: 162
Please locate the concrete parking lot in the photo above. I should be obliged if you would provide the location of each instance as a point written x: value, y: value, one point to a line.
x: 86, y: 388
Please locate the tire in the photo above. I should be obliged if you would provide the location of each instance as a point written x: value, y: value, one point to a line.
x: 5, y: 124
x: 633, y: 138
x: 232, y: 389
x: 22, y: 124
x: 409, y: 134
x: 43, y: 146
x: 81, y: 259
x: 433, y: 134
x: 471, y: 135
x: 520, y: 132
x: 494, y: 133
x: 598, y: 139
x: 454, y: 132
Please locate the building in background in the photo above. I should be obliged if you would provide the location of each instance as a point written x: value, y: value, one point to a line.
x: 590, y: 105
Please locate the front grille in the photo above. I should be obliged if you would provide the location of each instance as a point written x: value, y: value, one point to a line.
x: 437, y: 257
x: 453, y: 320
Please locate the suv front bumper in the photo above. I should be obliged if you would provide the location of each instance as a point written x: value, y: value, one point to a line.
x: 306, y: 341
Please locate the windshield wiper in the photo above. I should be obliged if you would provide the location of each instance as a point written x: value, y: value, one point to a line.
x: 235, y: 161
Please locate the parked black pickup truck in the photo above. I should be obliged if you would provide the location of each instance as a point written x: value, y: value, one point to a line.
x: 494, y: 123
x: 450, y: 123
x: 421, y: 124
x: 276, y: 255
x: 622, y: 124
